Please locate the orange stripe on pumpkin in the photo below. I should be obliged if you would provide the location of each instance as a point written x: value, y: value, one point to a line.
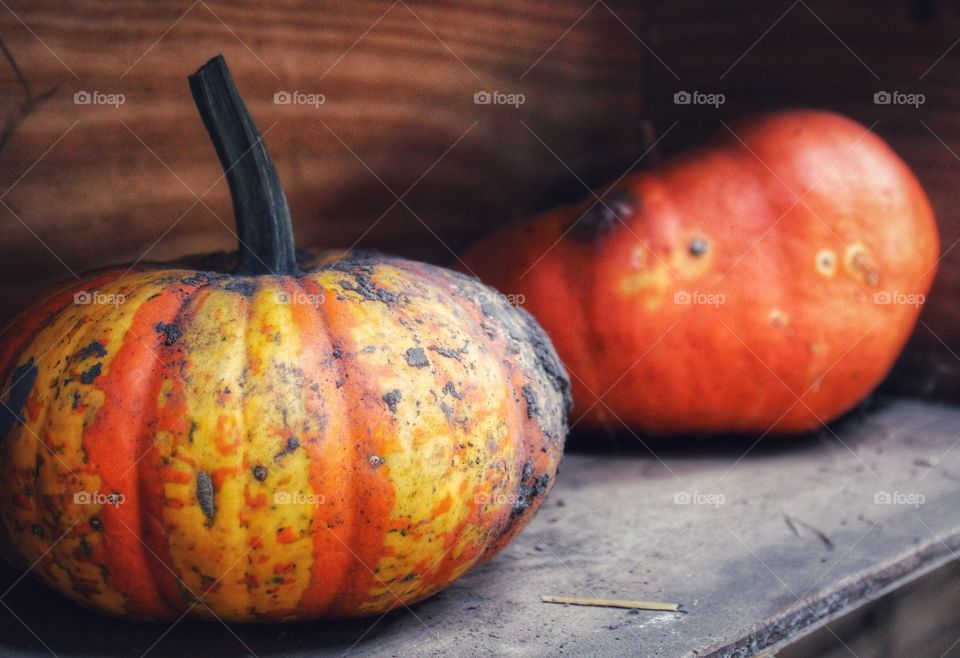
x: 119, y: 445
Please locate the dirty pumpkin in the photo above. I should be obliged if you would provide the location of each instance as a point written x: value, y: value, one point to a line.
x: 282, y: 436
x: 764, y: 282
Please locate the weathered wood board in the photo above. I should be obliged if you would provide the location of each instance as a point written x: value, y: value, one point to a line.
x: 763, y: 550
x: 398, y: 119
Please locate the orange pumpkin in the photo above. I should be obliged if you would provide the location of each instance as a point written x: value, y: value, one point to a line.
x: 766, y: 281
x: 288, y: 437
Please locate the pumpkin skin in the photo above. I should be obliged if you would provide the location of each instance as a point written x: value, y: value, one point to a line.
x: 271, y: 435
x: 368, y: 431
x: 738, y: 288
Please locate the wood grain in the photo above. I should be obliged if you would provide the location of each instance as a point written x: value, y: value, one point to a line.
x: 118, y: 184
x: 398, y: 79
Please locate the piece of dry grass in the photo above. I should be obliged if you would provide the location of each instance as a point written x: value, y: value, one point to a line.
x: 613, y: 603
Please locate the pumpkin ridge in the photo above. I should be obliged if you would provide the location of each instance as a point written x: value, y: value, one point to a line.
x: 353, y: 394
x: 99, y: 442
x: 165, y: 549
x: 310, y: 285
x: 440, y: 569
x: 66, y: 346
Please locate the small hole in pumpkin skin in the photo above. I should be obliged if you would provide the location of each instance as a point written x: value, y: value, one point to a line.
x: 698, y: 247
x: 826, y: 262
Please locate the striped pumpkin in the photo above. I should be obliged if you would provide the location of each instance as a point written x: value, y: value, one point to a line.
x: 324, y: 435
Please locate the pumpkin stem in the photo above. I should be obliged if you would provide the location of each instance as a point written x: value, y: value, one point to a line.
x: 263, y: 219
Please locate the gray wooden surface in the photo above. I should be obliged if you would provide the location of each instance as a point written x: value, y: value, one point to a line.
x: 758, y: 550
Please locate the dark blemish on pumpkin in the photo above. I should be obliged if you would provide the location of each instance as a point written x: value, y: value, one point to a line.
x: 95, y: 523
x: 37, y: 530
x: 530, y: 487
x: 259, y: 473
x: 410, y: 576
x: 548, y: 360
x: 197, y: 279
x: 171, y: 332
x: 205, y: 495
x: 246, y: 287
x: 75, y: 404
x: 531, y: 397
x: 191, y: 432
x: 291, y: 446
x: 337, y: 353
x: 340, y: 383
x: 93, y: 349
x: 392, y: 398
x: 450, y: 390
x: 91, y: 374
x: 364, y: 286
x: 602, y: 216
x: 698, y: 247
x: 377, y: 461
x: 449, y: 353
x: 448, y: 412
x: 12, y: 411
x: 417, y: 358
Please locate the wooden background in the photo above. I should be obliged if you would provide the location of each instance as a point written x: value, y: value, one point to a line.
x: 86, y: 185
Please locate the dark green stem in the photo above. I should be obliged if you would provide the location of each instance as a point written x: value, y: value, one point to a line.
x: 260, y: 207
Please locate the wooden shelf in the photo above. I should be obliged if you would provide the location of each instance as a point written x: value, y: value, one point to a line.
x: 802, y: 534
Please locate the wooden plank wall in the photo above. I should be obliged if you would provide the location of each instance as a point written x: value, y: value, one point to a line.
x: 398, y: 79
